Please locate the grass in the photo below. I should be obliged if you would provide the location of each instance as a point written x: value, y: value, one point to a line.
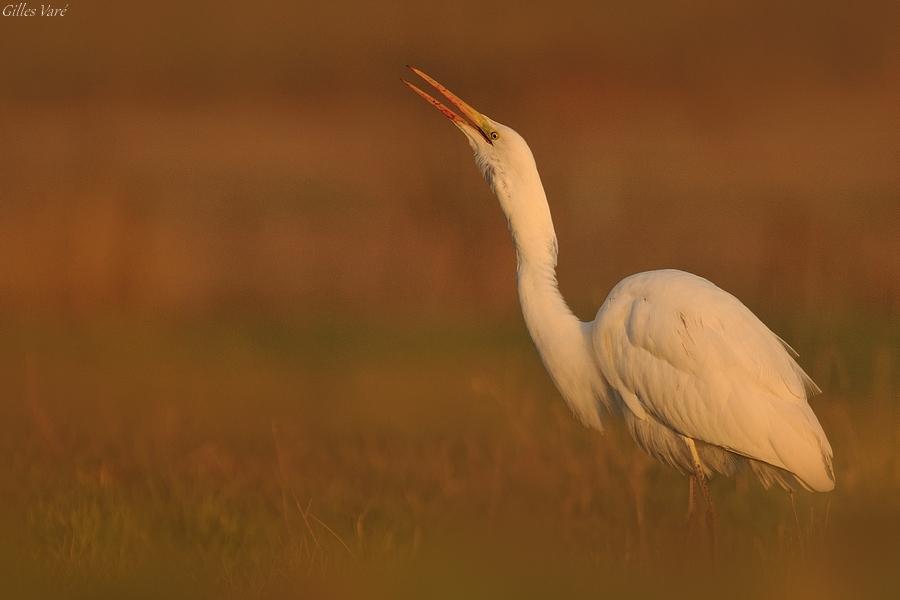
x: 216, y: 227
x: 257, y: 459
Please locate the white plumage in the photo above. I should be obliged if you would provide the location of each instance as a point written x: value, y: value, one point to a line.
x: 701, y: 383
x: 684, y: 356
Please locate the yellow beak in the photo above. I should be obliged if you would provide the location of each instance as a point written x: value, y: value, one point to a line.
x: 476, y: 120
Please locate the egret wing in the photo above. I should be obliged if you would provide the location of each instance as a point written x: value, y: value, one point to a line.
x: 676, y: 346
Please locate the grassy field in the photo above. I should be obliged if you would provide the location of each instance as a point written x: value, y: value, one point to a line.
x: 259, y: 459
x: 269, y: 378
x: 258, y: 328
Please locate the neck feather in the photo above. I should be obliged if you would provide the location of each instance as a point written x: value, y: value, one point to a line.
x: 561, y: 339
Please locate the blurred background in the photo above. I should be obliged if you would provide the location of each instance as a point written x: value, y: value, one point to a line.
x: 258, y: 313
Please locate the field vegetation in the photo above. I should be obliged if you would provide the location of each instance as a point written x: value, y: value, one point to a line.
x: 258, y: 328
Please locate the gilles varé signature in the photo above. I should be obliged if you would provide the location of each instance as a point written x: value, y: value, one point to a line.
x: 22, y: 9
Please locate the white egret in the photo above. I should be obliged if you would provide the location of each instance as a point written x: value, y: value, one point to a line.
x: 701, y: 383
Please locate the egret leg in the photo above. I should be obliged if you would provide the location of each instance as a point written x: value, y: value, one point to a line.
x: 692, y: 483
x: 800, y: 540
x: 704, y: 490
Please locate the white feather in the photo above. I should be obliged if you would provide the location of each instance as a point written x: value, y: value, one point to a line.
x: 689, y: 356
x: 684, y: 362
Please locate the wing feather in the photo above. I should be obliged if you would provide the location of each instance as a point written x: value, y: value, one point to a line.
x: 674, y: 345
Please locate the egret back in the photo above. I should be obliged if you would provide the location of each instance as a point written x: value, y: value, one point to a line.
x: 687, y: 354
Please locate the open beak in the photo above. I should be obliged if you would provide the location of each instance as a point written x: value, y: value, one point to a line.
x: 476, y: 121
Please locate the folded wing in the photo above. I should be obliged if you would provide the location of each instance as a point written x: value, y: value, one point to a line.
x: 676, y: 346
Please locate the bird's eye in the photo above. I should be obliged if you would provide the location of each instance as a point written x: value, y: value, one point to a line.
x: 494, y: 135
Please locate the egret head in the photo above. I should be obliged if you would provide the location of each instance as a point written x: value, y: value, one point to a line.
x: 500, y: 153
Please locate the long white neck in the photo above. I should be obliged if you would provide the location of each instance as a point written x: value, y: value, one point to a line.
x: 561, y: 339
